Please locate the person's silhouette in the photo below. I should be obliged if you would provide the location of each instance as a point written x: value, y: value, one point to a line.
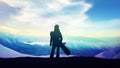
x: 55, y: 41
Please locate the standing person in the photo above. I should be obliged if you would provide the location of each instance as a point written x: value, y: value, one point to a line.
x: 55, y: 41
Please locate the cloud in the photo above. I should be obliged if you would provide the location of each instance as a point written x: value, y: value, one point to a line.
x: 108, y: 28
x: 7, y: 11
x: 42, y: 14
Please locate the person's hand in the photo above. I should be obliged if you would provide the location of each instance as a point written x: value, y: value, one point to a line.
x: 50, y: 44
x: 64, y: 43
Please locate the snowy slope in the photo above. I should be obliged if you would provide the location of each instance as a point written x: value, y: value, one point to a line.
x: 9, y: 53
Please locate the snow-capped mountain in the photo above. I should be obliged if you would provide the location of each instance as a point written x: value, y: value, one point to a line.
x: 79, y: 46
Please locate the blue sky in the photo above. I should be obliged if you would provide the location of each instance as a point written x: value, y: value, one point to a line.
x: 91, y: 18
x: 104, y: 10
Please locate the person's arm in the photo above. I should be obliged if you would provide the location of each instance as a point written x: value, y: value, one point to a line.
x: 50, y: 42
x: 51, y: 38
x: 61, y: 38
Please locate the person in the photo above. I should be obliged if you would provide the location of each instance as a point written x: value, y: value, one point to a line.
x: 55, y: 41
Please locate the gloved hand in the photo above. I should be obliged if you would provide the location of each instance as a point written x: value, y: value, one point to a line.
x: 50, y: 44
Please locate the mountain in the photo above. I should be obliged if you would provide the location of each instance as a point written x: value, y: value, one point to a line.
x: 111, y: 53
x: 117, y: 56
x: 12, y: 42
x: 9, y: 53
x: 30, y: 45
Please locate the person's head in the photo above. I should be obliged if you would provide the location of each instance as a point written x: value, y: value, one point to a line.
x: 56, y: 26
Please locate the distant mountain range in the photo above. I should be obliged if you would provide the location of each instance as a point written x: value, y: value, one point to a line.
x: 29, y: 45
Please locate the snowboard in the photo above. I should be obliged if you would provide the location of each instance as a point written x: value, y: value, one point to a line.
x: 64, y: 48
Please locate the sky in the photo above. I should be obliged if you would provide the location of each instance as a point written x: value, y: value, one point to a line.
x: 90, y: 18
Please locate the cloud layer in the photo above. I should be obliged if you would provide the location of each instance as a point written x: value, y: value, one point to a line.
x: 7, y: 11
x: 42, y: 15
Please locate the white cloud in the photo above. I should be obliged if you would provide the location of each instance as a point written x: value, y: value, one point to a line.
x: 42, y: 15
x: 7, y: 11
x: 108, y: 28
